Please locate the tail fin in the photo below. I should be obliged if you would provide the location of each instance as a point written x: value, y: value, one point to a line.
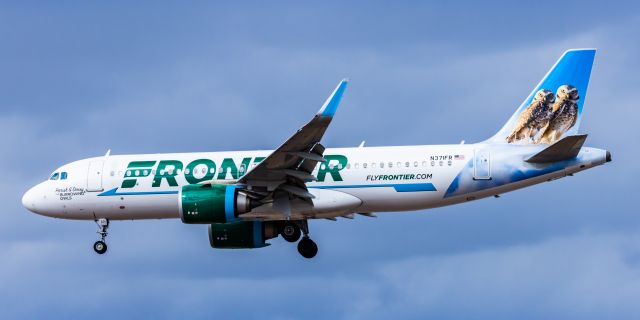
x: 554, y: 108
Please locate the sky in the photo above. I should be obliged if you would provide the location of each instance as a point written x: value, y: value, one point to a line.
x: 79, y: 78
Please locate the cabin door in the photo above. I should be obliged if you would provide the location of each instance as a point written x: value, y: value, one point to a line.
x: 482, y: 164
x: 94, y: 176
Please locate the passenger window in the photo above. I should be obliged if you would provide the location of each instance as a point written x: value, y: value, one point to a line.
x: 364, y: 165
x: 406, y: 164
x: 356, y: 165
x: 415, y: 164
x: 373, y: 164
x: 55, y: 176
x: 390, y: 164
x: 381, y: 164
x: 63, y: 176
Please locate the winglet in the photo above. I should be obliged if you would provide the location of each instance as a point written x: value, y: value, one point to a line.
x: 331, y: 104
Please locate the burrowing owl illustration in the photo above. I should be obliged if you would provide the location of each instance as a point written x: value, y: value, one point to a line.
x: 534, y: 117
x: 564, y: 114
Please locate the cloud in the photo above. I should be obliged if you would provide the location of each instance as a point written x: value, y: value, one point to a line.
x: 185, y: 79
x: 585, y: 276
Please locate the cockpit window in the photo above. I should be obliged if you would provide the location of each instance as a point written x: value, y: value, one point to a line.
x: 63, y: 175
x: 55, y: 176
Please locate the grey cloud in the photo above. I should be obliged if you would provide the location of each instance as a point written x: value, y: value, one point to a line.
x: 79, y: 80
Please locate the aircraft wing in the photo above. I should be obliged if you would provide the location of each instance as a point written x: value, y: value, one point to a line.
x: 283, y: 174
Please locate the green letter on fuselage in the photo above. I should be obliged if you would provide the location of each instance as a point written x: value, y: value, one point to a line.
x: 167, y: 169
x: 136, y: 169
x: 208, y: 174
x: 331, y: 167
x: 229, y: 165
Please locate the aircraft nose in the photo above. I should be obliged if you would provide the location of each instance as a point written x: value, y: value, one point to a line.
x: 29, y: 200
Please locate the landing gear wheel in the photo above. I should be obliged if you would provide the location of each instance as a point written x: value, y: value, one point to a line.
x: 290, y: 232
x: 307, y: 248
x: 100, y: 247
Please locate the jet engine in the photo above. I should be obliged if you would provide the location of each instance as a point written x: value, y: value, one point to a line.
x: 241, y: 234
x: 212, y: 203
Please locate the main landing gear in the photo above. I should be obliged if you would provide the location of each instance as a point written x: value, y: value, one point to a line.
x: 291, y: 232
x: 100, y: 246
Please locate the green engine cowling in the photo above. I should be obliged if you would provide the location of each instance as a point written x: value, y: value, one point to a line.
x: 241, y: 234
x: 212, y: 203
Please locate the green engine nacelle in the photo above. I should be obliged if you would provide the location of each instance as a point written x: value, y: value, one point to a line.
x: 211, y: 203
x: 241, y: 234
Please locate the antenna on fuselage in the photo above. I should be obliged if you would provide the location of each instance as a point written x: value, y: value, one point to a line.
x: 361, y: 144
x: 108, y: 153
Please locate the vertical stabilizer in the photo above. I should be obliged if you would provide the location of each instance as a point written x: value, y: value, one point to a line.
x: 553, y: 109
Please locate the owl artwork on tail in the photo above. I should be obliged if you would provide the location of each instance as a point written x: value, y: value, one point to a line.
x: 564, y: 114
x: 533, y: 118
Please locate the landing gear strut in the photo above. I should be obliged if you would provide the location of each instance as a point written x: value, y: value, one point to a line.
x: 290, y: 231
x: 306, y: 247
x: 100, y: 246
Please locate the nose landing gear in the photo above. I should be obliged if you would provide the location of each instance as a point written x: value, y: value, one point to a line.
x: 100, y: 246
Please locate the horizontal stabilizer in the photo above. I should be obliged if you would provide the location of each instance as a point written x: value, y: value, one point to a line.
x: 566, y: 148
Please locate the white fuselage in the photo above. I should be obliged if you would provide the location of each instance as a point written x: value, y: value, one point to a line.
x: 120, y: 187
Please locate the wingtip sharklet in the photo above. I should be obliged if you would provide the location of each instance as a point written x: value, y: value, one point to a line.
x: 331, y: 104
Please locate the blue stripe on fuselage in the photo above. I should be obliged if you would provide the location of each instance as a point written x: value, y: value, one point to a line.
x: 406, y: 187
x: 114, y: 192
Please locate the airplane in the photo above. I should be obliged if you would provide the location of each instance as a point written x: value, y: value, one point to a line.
x: 249, y: 197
